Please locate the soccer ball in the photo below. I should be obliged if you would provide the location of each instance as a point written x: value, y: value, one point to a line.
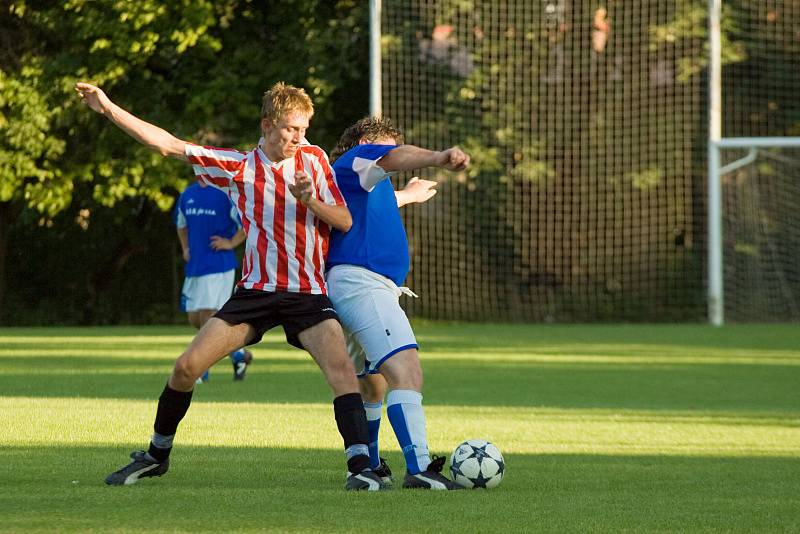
x: 477, y: 463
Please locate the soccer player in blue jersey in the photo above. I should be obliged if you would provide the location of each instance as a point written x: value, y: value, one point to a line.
x: 366, y: 270
x: 209, y: 230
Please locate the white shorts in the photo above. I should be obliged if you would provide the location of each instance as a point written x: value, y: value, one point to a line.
x: 207, y: 292
x: 369, y: 308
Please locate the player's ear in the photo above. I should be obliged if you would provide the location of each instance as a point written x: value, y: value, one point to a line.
x: 266, y: 125
x: 363, y: 141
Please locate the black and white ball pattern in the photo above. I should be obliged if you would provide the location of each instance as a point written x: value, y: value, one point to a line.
x: 477, y: 463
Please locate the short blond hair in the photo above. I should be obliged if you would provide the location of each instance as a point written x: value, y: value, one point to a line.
x: 282, y: 99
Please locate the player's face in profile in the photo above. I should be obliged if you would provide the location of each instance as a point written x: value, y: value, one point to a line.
x: 282, y: 139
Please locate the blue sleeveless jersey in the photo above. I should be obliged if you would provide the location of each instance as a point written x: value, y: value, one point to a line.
x: 207, y: 211
x: 377, y: 240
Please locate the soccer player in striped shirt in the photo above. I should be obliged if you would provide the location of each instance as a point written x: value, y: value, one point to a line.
x: 367, y: 268
x: 288, y: 200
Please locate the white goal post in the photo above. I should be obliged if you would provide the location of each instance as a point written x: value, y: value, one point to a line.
x: 375, y: 84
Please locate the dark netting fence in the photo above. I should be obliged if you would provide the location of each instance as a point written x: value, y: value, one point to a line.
x: 761, y: 219
x: 586, y: 125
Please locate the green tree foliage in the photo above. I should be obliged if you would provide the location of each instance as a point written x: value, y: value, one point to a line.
x: 197, y: 68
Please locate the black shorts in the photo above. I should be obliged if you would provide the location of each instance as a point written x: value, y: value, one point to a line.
x: 264, y: 310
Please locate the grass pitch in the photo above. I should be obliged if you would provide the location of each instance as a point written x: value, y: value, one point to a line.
x: 604, y: 429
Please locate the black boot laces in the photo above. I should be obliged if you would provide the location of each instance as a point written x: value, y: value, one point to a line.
x: 437, y: 464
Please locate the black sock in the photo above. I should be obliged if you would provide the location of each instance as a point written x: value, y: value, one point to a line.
x: 352, y: 422
x: 160, y: 455
x: 172, y: 406
x: 351, y: 419
x: 358, y: 463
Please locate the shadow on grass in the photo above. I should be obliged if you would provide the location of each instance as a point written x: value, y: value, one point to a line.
x: 717, y: 387
x: 442, y: 335
x: 221, y: 489
x: 468, y: 337
x: 651, y: 379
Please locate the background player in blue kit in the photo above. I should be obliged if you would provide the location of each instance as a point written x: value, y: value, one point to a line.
x: 209, y: 230
x: 366, y: 269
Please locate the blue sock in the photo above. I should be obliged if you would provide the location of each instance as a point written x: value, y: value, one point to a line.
x: 373, y: 410
x: 237, y: 355
x: 404, y: 408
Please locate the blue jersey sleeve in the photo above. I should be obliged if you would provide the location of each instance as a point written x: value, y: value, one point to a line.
x: 372, y: 152
x: 362, y: 162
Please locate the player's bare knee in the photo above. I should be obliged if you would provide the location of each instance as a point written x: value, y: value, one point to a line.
x: 186, y: 370
x: 370, y: 391
x: 340, y: 373
x: 415, y: 379
x: 406, y: 382
x: 403, y: 372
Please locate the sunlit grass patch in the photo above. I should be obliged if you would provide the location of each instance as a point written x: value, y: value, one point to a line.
x: 603, y: 428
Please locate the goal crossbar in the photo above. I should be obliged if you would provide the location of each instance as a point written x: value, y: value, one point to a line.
x: 758, y: 142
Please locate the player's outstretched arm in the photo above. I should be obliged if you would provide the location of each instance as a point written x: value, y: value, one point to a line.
x: 410, y: 158
x: 416, y: 190
x: 147, y: 134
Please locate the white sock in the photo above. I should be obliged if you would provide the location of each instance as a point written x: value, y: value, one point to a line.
x: 404, y: 408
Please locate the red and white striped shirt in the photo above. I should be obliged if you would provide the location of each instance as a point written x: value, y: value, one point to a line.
x: 286, y: 243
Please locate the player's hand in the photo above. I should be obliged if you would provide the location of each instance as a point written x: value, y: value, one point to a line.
x: 220, y: 243
x: 454, y: 159
x: 93, y: 96
x: 186, y: 255
x: 420, y: 190
x: 301, y: 188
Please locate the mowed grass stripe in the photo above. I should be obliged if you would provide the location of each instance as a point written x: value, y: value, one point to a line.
x: 601, y: 355
x: 605, y: 428
x: 89, y: 422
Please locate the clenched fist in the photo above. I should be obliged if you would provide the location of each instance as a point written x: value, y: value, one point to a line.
x: 301, y: 189
x: 454, y: 159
